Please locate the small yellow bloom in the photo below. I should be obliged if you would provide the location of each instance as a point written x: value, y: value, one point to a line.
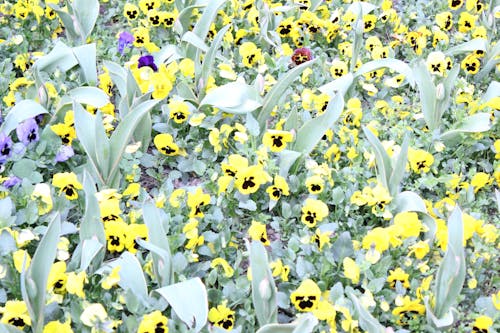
x: 228, y: 270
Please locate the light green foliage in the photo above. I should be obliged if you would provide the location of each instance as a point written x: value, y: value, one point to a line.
x: 366, y: 321
x: 233, y: 97
x: 21, y: 111
x: 304, y: 324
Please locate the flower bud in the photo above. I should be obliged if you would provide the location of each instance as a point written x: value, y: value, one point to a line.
x: 265, y: 289
x: 440, y: 92
x: 43, y: 96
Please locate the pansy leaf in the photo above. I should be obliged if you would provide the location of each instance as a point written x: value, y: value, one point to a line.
x: 23, y: 110
x: 189, y: 300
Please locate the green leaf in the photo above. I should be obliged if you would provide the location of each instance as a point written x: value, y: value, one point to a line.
x: 409, y: 201
x: 91, y: 226
x: 366, y: 321
x: 451, y: 274
x: 394, y: 64
x: 119, y: 76
x: 203, y: 24
x: 90, y: 250
x: 35, y: 279
x: 274, y: 96
x: 384, y: 166
x: 85, y: 130
x: 208, y: 60
x: 24, y: 168
x: 312, y: 131
x: 362, y: 8
x: 470, y: 46
x: 86, y: 12
x: 23, y: 110
x: 184, y: 17
x: 263, y: 287
x: 132, y: 276
x: 122, y: 135
x: 492, y: 92
x: 90, y: 96
x: 86, y: 56
x: 68, y: 22
x: 304, y: 324
x: 162, y: 261
x: 427, y: 92
x: 181, y: 298
x: 101, y: 141
x: 234, y: 97
x: 478, y: 122
x: 442, y: 323
x: 399, y: 167
x: 195, y: 41
x: 342, y: 247
x: 341, y: 85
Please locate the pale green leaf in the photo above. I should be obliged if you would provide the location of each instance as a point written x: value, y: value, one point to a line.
x: 478, y: 122
x: 234, y: 97
x: 384, y: 165
x: 427, y: 92
x: 341, y: 85
x: 442, y: 323
x: 312, y: 131
x: 67, y: 19
x: 492, y: 92
x: 5, y: 328
x: 195, y: 41
x: 86, y: 56
x: 189, y: 300
x: 263, y: 287
x: 409, y: 201
x: 90, y: 96
x: 23, y: 110
x: 287, y: 159
x: 274, y: 96
x: 470, y: 46
x: 101, y: 142
x: 38, y: 272
x: 366, y: 321
x: 304, y: 324
x: 132, y: 276
x: 90, y: 250
x: 86, y: 12
x: 399, y: 167
x: 361, y: 7
x: 162, y: 261
x: 118, y: 75
x: 61, y: 57
x: 393, y: 64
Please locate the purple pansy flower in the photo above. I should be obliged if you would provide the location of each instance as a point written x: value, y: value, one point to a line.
x: 27, y: 131
x: 64, y: 153
x: 125, y: 39
x: 148, y: 61
x: 11, y: 181
x: 5, y: 148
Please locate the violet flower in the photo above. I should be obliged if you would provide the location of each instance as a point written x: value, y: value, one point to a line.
x: 11, y: 182
x: 5, y: 148
x: 64, y: 153
x: 27, y: 131
x: 125, y: 40
x: 148, y: 61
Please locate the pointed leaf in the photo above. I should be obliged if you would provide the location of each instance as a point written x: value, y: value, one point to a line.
x: 393, y: 64
x: 384, y: 166
x: 427, y: 92
x: 234, y: 97
x: 23, y: 110
x: 90, y: 96
x: 86, y: 12
x: 399, y: 167
x: 366, y: 321
x: 304, y: 324
x: 86, y: 56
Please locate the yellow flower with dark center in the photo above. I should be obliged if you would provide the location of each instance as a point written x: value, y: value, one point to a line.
x: 65, y: 132
x: 419, y: 249
x: 436, y: 63
x: 338, y: 69
x: 480, y: 180
x: 153, y: 322
x: 416, y: 40
x: 306, y: 297
x: 179, y: 111
x: 258, y: 232
x: 278, y: 269
x: 169, y: 18
x: 444, y: 20
x: 372, y: 42
x: 164, y: 142
x: 57, y: 279
x: 377, y: 238
x: 286, y: 26
x: 222, y: 316
x: 154, y: 18
x: 116, y: 235
x: 147, y: 5
x: 369, y: 22
x: 455, y: 4
x: 135, y: 231
x: 380, y: 52
x: 471, y: 64
x: 161, y: 84
x: 482, y: 324
x: 249, y: 179
x: 279, y: 188
x: 474, y: 5
x: 130, y: 11
x: 276, y: 140
x: 353, y: 113
x: 141, y: 37
x: 438, y: 37
x: 313, y: 211
x: 228, y: 270
x: 68, y: 183
x: 321, y: 238
x: 15, y: 313
x: 420, y: 160
x: 398, y: 275
x: 315, y: 184
x: 196, y: 200
x: 351, y: 270
x: 408, y: 310
x: 105, y: 83
x: 110, y: 209
x: 466, y: 22
x: 250, y: 54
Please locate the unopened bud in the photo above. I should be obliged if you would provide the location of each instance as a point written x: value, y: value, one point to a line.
x: 265, y: 289
x: 43, y: 96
